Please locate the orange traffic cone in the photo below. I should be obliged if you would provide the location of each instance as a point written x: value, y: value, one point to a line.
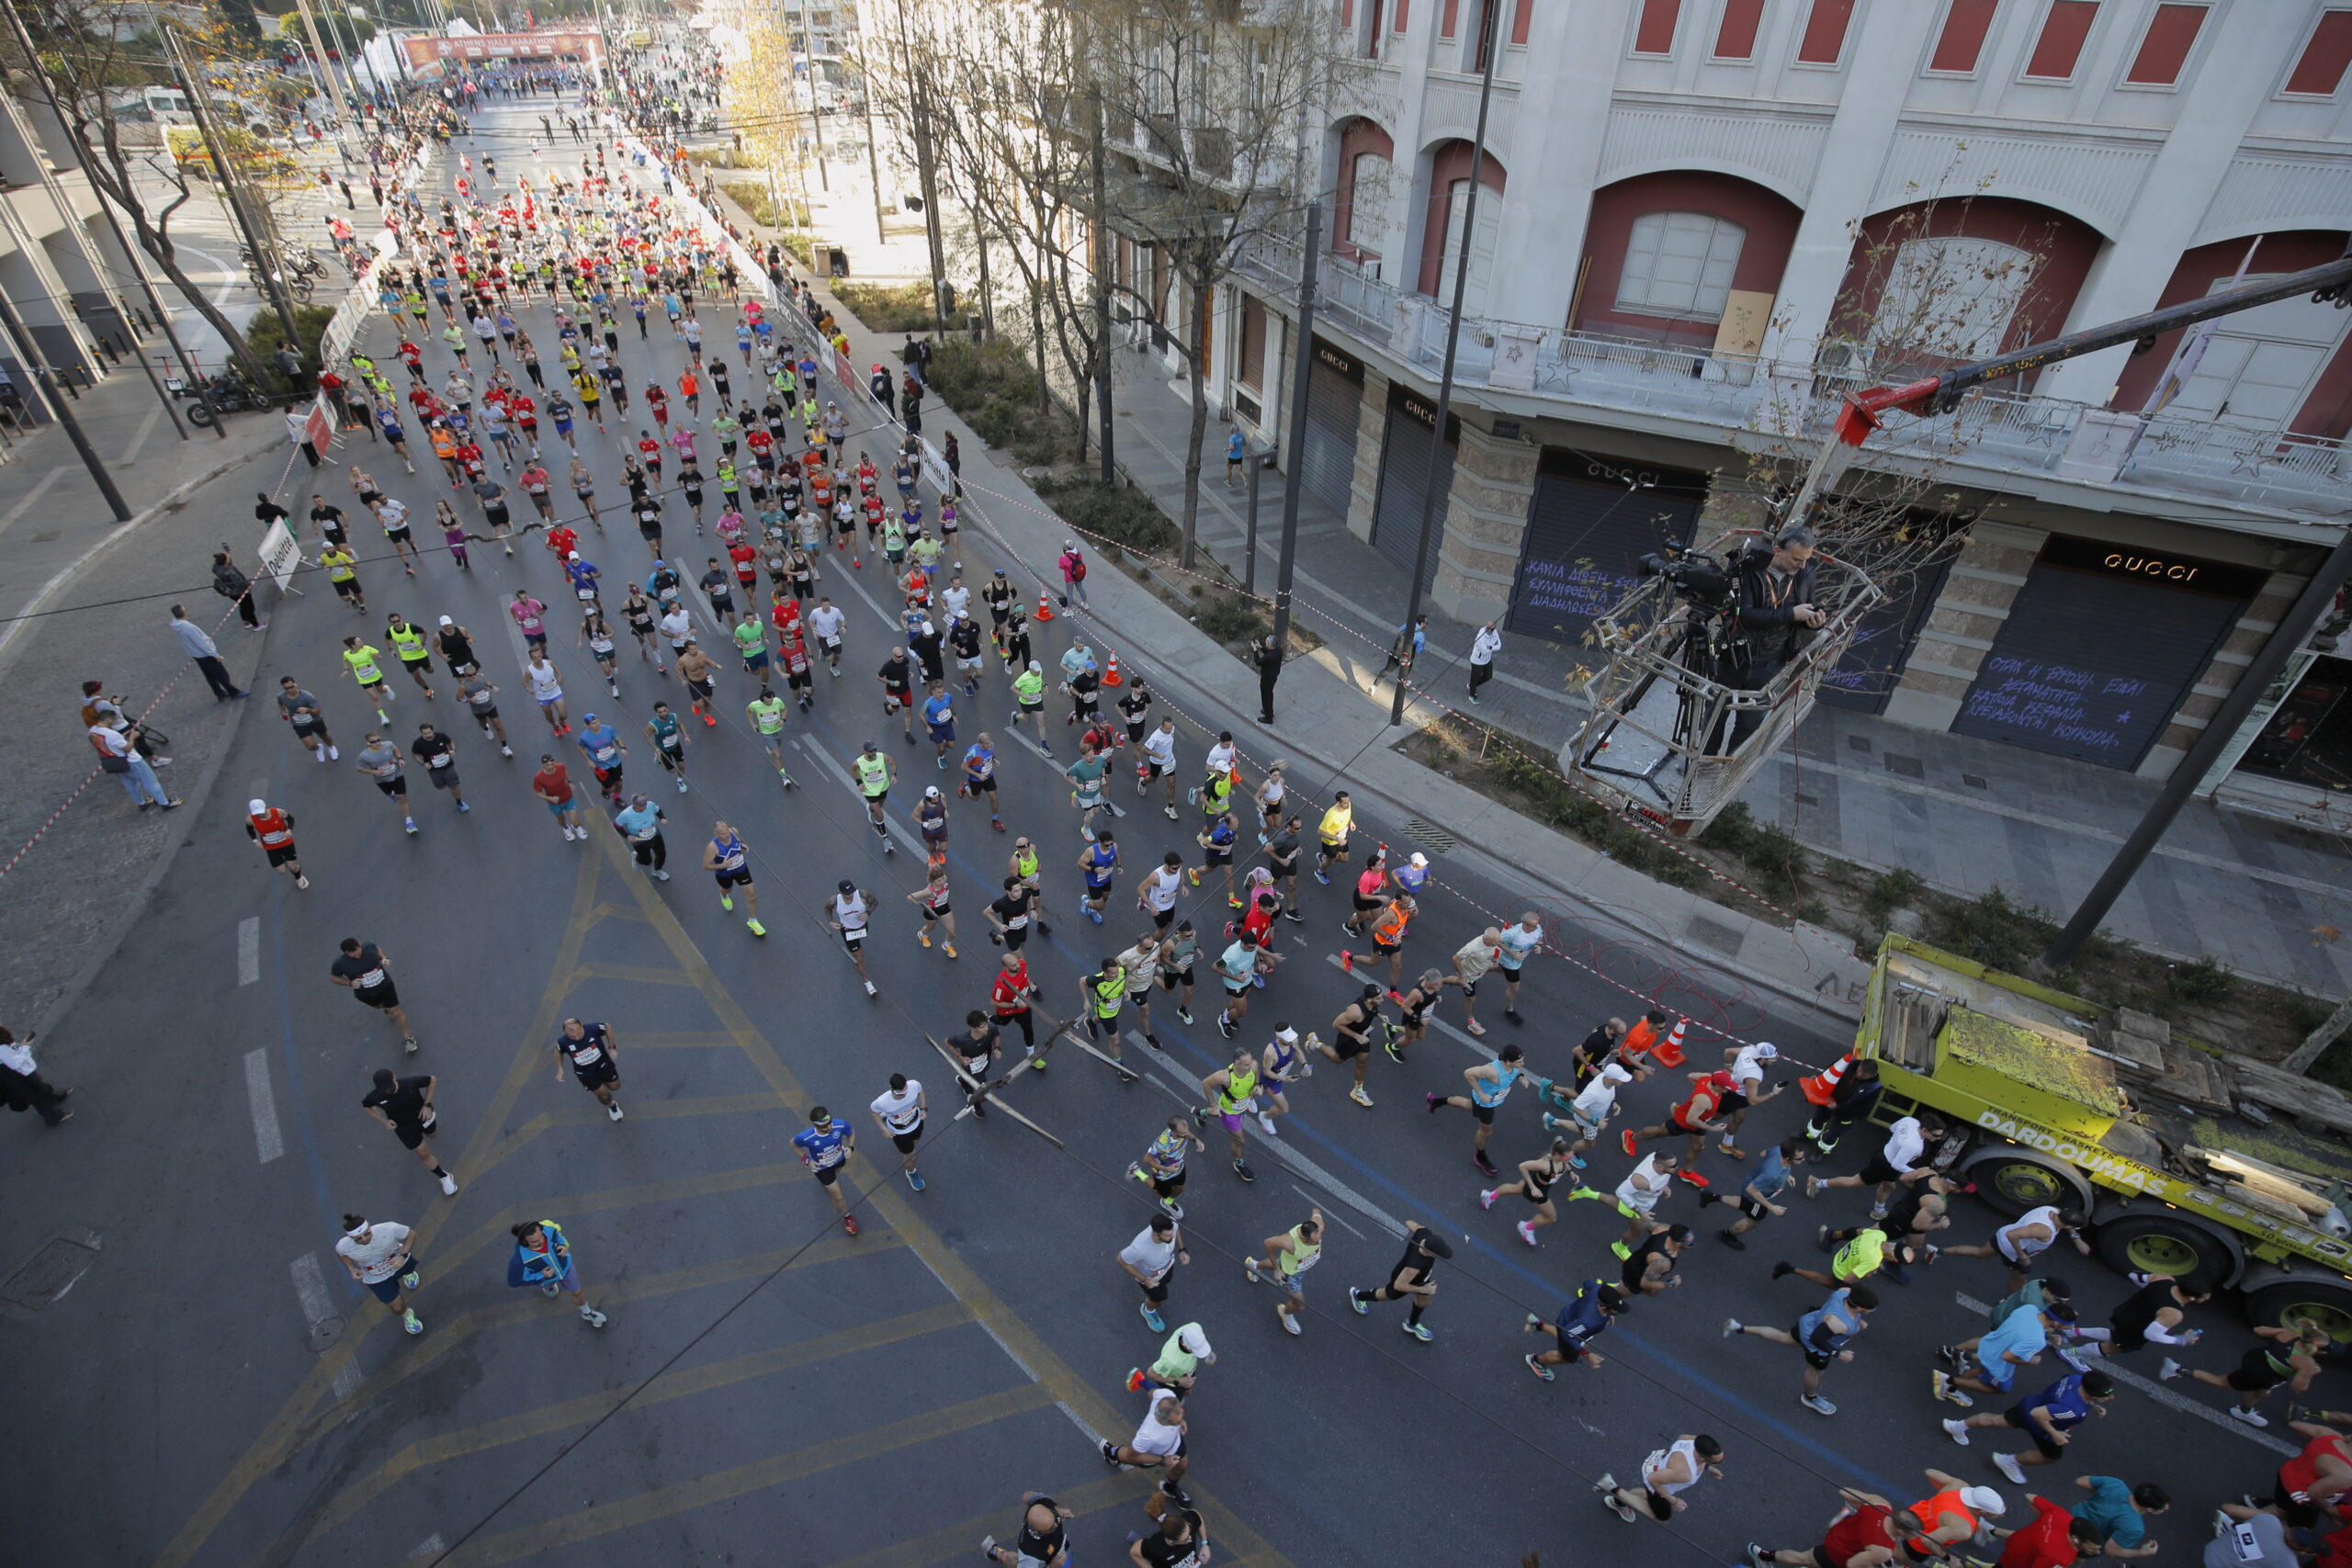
x: 1112, y: 677
x: 1821, y: 1088
x: 1044, y: 611
x: 1670, y: 1053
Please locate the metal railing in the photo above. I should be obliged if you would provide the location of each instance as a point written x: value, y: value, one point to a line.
x: 1998, y: 429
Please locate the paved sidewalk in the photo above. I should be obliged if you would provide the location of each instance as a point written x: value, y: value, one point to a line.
x: 1966, y: 814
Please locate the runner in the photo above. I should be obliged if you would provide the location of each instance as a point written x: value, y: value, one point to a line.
x: 669, y: 737
x: 1161, y: 1166
x: 897, y: 676
x: 415, y: 658
x: 367, y: 974
x: 1757, y: 1197
x: 592, y: 1053
x: 405, y: 1106
x: 362, y: 661
x: 1331, y: 836
x: 1010, y: 993
x: 1585, y: 1318
x: 1693, y: 1116
x: 874, y: 774
x: 1179, y: 1363
x: 899, y: 1112
x: 1537, y: 1177
x: 2018, y: 1340
x: 931, y: 824
x: 1236, y: 966
x: 1410, y: 1279
x: 545, y: 686
x: 543, y: 1257
x: 1908, y: 1141
x: 1158, y: 1443
x: 1863, y: 1535
x: 1351, y: 1038
x: 480, y: 698
x: 1043, y: 1542
x: 1668, y: 1473
x: 1231, y: 1091
x: 272, y: 827
x: 381, y: 760
x: 378, y: 1255
x: 1518, y: 941
x: 1823, y: 1334
x: 1490, y: 1084
x: 728, y: 860
x: 939, y: 720
x: 640, y: 824
x: 1638, y: 1195
x: 848, y: 911
x: 438, y: 756
x: 766, y: 713
x: 1369, y: 894
x: 2048, y: 1418
x: 2290, y: 1356
x: 1148, y: 1260
x: 978, y: 1047
x: 1029, y: 697
x: 1097, y: 864
x: 826, y: 1145
x: 2024, y: 1239
x: 1286, y: 1259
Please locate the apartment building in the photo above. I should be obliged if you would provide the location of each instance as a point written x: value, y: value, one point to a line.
x: 68, y: 282
x: 1688, y: 206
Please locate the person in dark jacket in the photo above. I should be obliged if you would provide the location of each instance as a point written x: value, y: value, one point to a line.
x: 232, y: 584
x: 1776, y: 614
x: 1267, y: 656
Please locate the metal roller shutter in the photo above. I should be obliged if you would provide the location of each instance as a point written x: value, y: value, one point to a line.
x: 1404, y: 478
x: 1587, y: 529
x: 1327, y: 447
x: 2100, y: 646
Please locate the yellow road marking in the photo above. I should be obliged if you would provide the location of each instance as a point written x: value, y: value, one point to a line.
x: 617, y: 912
x: 585, y: 1113
x: 279, y: 1438
x: 591, y: 1408
x: 588, y: 1524
x: 1020, y: 1340
x: 639, y: 973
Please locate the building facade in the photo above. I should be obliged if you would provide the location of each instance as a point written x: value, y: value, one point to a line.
x: 1696, y: 219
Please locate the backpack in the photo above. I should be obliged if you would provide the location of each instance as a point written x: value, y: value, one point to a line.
x: 1077, y: 564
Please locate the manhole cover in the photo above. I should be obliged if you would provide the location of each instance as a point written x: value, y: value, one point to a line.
x: 1433, y: 835
x: 48, y: 1274
x: 322, y: 1334
x: 1858, y: 742
x: 1973, y: 781
x: 1909, y: 767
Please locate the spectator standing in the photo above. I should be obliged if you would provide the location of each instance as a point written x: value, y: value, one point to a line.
x: 1483, y: 649
x: 21, y: 1086
x: 200, y: 648
x: 237, y: 588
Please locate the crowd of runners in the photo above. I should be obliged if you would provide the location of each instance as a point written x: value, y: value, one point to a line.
x: 519, y: 333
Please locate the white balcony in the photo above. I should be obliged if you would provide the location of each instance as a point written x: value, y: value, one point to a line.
x: 1997, y: 432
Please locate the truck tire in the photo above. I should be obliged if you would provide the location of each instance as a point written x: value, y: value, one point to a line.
x: 2326, y: 1297
x: 2164, y: 1241
x: 2014, y: 1180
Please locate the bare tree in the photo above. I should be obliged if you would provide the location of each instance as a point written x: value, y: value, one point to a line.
x: 89, y: 51
x: 1203, y: 107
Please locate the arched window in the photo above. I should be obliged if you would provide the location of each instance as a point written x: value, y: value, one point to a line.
x: 1482, y: 247
x: 1362, y: 200
x: 1679, y: 264
x: 1953, y: 298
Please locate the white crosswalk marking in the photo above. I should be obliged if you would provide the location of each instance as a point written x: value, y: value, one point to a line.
x: 268, y: 1140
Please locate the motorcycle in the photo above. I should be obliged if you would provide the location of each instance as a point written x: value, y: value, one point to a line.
x: 223, y: 394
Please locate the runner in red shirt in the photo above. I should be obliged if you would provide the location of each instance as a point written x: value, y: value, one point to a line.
x: 657, y: 399
x: 527, y: 420
x: 1010, y: 994
x: 1694, y: 1116
x: 1862, y: 1537
x: 747, y: 569
x: 2053, y: 1539
x: 561, y: 540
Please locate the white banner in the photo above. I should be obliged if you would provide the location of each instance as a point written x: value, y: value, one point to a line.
x: 280, y: 553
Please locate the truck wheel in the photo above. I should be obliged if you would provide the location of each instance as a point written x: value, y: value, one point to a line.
x: 2144, y: 1241
x: 2324, y: 1299
x: 2015, y: 1180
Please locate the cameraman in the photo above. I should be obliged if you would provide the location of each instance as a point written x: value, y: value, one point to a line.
x: 1776, y: 614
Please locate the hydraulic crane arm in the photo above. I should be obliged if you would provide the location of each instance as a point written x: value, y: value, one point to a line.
x: 1941, y: 394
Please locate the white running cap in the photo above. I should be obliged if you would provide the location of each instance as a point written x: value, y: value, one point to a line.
x: 1983, y: 1499
x: 447, y: 622
x: 1287, y: 1036
x: 1192, y: 1340
x: 256, y: 807
x: 1613, y: 1073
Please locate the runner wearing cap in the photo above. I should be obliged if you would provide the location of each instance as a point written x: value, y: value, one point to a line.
x: 1181, y: 1360
x: 1825, y: 1335
x: 273, y: 830
x: 1951, y: 1514
x: 847, y: 911
x: 1410, y: 1279
x: 1584, y: 1319
x: 1589, y: 1111
x: 1759, y: 1196
x: 1745, y: 1064
x: 1285, y: 1061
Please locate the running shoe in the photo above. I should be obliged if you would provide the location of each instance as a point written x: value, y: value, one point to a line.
x: 2008, y: 1465
x: 1134, y: 1380
x: 1941, y: 1385
x: 725, y: 901
x: 1432, y: 1101
x: 1956, y: 1430
x: 1250, y: 1267
x: 1625, y: 1140
x: 408, y: 1043
x: 1358, y: 1095
x: 1487, y: 1167
x: 448, y: 1185
x: 593, y: 1318
x: 2250, y: 1418
x: 409, y: 1280
x: 1538, y: 1368
x: 1620, y: 1250
x: 1355, y: 1300
x: 1731, y: 1326
x: 756, y: 929
x: 1150, y: 1317
x: 1731, y: 1239
x: 1526, y: 1229
x: 550, y: 1289
x: 1241, y: 1168
x: 413, y: 1323
x: 1693, y: 1177
x: 2169, y: 1369
x: 1265, y: 1119
x: 849, y: 1223
x: 914, y: 1179
x: 1183, y: 1014
x: 1111, y: 1455
x: 614, y: 1110
x: 1487, y: 1197
x: 1417, y: 1330
x: 2072, y: 1358
x: 1290, y: 1323
x: 1783, y: 1269
x: 1821, y: 1406
x: 923, y: 936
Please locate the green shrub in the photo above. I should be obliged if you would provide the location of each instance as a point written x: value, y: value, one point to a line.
x: 753, y: 198
x: 265, y: 331
x: 2202, y: 982
x: 888, y: 307
x: 1890, y: 891
x: 1994, y: 929
x: 1127, y: 517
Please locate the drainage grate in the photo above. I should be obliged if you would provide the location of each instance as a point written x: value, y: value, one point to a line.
x: 46, y: 1276
x: 1858, y: 742
x: 1975, y: 781
x: 1909, y: 767
x: 1804, y: 799
x: 1725, y: 940
x: 1433, y: 835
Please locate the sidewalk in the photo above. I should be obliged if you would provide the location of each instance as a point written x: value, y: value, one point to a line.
x: 1966, y: 814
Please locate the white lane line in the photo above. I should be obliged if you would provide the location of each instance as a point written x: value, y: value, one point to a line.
x: 348, y: 1379
x: 268, y: 1140
x: 139, y: 438
x: 2158, y: 1392
x: 40, y: 488
x: 310, y: 1289
x: 249, y: 950
x: 431, y: 1546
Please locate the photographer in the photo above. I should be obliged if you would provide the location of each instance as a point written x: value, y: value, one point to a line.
x: 1776, y: 614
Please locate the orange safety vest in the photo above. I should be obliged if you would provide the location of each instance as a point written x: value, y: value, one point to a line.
x: 272, y: 827
x: 1389, y: 928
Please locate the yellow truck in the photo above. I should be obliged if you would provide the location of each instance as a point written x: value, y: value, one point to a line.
x: 2187, y: 1160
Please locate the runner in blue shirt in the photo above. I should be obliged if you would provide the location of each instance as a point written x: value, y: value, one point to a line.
x: 2047, y: 1417
x: 939, y: 717
x: 1760, y: 1196
x: 601, y: 744
x: 979, y: 777
x: 1583, y: 1320
x: 1099, y: 862
x: 825, y: 1145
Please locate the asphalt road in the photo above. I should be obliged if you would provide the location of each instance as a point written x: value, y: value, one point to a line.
x: 212, y: 1390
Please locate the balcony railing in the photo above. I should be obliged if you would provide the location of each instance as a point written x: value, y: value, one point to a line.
x: 1995, y: 428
